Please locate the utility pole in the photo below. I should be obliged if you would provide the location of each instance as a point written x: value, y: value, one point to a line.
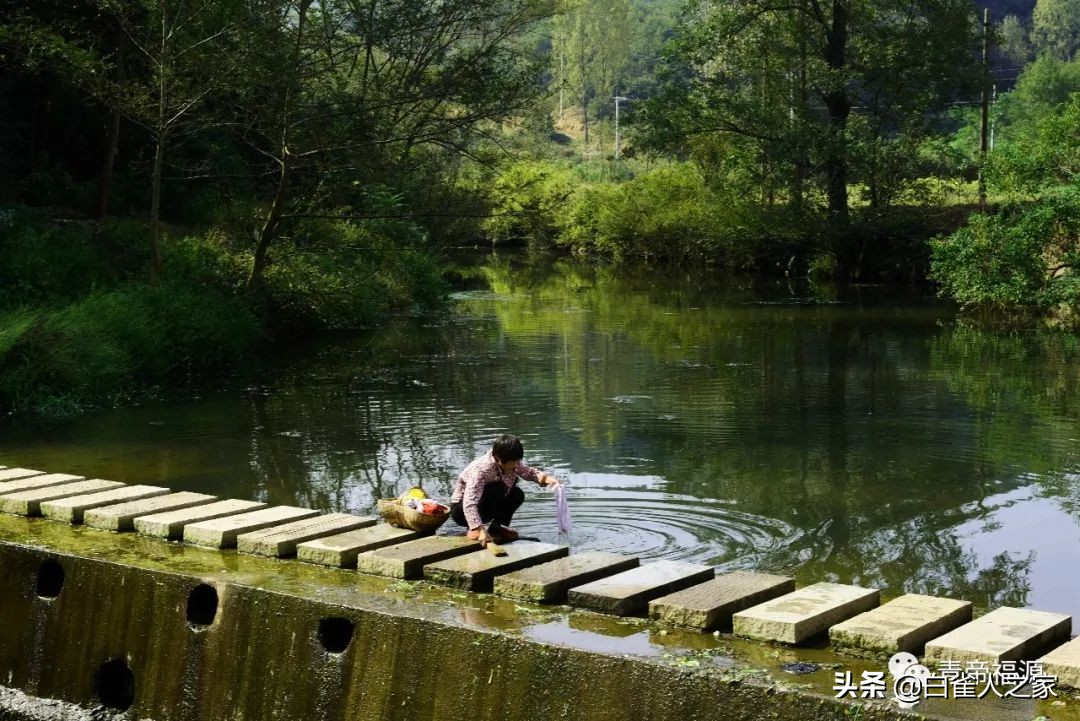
x: 984, y: 124
x: 993, y: 124
x: 617, y: 99
x: 562, y: 79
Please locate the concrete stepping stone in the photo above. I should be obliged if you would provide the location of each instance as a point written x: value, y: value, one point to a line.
x: 342, y: 549
x: 71, y: 510
x: 1004, y: 634
x: 170, y: 524
x: 630, y: 591
x: 11, y: 474
x: 39, y: 480
x: 549, y: 582
x: 903, y: 624
x: 121, y: 517
x: 1064, y: 662
x: 476, y: 571
x: 712, y: 604
x: 407, y: 560
x: 280, y: 541
x: 28, y: 503
x: 223, y: 532
x: 805, y: 613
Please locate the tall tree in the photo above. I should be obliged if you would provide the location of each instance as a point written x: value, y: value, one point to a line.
x: 82, y: 47
x: 1056, y: 27
x: 790, y: 77
x: 352, y: 84
x: 592, y: 45
x: 191, y: 50
x: 1014, y: 39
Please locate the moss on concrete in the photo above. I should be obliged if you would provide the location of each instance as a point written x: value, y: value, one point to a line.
x: 416, y: 653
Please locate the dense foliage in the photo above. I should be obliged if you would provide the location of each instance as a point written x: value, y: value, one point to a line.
x: 219, y: 172
x: 290, y: 159
x: 1027, y: 253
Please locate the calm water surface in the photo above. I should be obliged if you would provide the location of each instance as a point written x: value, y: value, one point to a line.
x: 857, y: 436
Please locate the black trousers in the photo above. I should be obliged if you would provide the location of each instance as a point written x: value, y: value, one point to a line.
x: 495, y: 505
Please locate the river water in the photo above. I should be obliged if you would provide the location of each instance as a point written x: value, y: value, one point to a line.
x: 862, y: 435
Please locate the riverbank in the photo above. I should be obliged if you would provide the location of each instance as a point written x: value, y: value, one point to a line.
x: 83, y: 323
x: 673, y: 213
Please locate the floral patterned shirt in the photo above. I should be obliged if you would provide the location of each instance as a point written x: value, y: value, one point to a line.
x: 482, y: 471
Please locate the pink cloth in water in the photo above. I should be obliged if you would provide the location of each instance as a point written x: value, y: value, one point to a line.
x: 562, y: 510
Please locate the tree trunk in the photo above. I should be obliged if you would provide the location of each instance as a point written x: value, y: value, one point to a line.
x: 155, y: 208
x: 101, y: 205
x: 273, y: 218
x: 585, y: 115
x: 269, y: 230
x: 798, y: 176
x: 839, y: 106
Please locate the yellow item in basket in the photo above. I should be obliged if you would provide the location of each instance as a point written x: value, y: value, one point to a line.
x: 417, y: 493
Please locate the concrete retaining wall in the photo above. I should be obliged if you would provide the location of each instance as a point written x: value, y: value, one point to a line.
x: 262, y: 655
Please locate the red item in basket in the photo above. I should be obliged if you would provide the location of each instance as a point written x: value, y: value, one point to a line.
x: 431, y: 507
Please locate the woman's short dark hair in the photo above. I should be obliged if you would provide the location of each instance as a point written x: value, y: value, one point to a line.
x: 508, y: 448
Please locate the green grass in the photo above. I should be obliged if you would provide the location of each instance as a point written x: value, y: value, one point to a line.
x: 81, y: 325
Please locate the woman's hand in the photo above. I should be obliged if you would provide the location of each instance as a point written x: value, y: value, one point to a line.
x: 480, y: 535
x: 549, y: 481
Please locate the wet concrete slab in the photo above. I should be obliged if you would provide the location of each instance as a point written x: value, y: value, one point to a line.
x: 38, y: 480
x: 711, y: 604
x: 629, y: 592
x: 28, y: 503
x: 1004, y: 634
x: 71, y: 510
x: 1064, y: 662
x: 798, y: 616
x: 281, y: 541
x: 476, y: 571
x: 549, y: 582
x: 341, y: 550
x: 407, y: 560
x: 903, y: 624
x: 121, y: 517
x: 11, y: 474
x: 223, y: 532
x: 171, y: 524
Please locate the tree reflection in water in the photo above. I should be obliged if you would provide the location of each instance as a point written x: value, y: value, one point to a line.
x: 855, y: 435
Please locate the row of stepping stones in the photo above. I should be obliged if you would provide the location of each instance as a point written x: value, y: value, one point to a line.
x: 754, y: 605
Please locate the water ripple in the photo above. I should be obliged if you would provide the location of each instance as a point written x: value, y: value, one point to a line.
x: 658, y: 525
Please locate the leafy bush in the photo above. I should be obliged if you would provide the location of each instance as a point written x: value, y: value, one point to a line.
x: 344, y: 275
x: 206, y: 259
x: 1027, y: 254
x: 1048, y: 157
x: 526, y: 200
x: 1024, y: 255
x: 620, y: 211
x: 82, y: 324
x: 667, y: 213
x: 110, y: 342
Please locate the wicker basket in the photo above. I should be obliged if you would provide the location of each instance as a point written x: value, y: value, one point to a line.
x: 398, y: 514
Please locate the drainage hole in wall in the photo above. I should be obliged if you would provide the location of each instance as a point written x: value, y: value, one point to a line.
x: 50, y: 579
x: 335, y: 633
x: 114, y: 685
x: 202, y: 605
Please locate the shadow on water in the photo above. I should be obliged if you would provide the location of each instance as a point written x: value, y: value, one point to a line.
x: 860, y: 435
